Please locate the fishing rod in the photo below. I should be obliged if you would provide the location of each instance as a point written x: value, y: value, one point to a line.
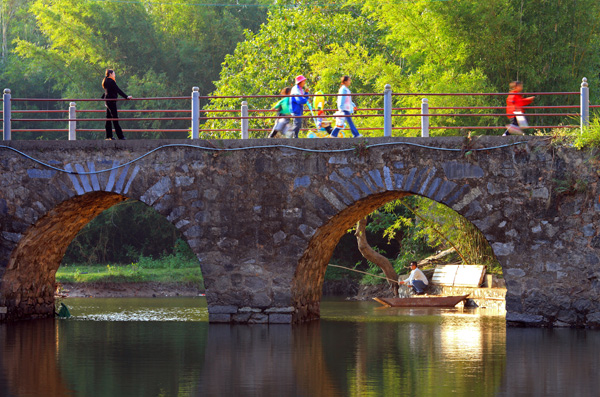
x: 359, y: 271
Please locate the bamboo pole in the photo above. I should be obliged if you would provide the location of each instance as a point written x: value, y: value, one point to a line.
x: 359, y: 271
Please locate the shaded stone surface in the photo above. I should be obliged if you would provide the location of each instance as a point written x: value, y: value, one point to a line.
x: 264, y: 221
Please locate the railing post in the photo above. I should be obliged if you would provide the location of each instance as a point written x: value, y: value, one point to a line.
x: 6, y: 109
x: 244, y: 120
x: 585, y: 104
x: 387, y: 110
x: 424, y: 118
x: 195, y: 112
x: 72, y: 122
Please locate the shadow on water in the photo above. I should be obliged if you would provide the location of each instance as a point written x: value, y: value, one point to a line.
x: 354, y: 351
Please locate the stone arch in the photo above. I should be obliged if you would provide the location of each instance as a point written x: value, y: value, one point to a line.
x: 28, y: 284
x: 370, y: 189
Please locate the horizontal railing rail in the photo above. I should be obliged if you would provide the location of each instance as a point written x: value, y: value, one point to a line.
x: 388, y: 118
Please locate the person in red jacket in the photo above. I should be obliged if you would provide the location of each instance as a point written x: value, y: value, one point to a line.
x: 514, y: 109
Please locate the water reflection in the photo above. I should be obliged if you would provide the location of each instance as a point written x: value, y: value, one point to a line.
x: 29, y: 360
x: 551, y: 362
x: 270, y: 360
x: 355, y: 350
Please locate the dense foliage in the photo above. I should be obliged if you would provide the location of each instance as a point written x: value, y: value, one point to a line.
x: 127, y: 233
x: 419, y: 46
x: 60, y: 48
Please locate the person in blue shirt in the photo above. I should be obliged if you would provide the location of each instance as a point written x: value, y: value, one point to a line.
x: 299, y: 99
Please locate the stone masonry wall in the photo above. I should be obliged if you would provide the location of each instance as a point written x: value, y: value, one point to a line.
x: 264, y: 221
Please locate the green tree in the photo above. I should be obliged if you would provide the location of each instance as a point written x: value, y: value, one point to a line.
x: 157, y: 49
x: 550, y: 45
x: 420, y: 46
x: 123, y: 234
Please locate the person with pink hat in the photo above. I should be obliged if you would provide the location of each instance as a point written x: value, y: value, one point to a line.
x: 299, y: 99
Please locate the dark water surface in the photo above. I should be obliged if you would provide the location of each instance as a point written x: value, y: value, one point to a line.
x: 165, y: 347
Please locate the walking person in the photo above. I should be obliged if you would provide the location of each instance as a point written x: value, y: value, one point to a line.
x: 514, y: 109
x: 299, y: 99
x: 346, y: 106
x: 283, y: 108
x: 112, y: 91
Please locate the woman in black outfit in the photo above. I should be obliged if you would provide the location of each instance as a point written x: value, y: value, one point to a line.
x: 112, y: 91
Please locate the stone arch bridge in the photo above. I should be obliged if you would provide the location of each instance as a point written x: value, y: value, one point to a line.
x: 263, y: 217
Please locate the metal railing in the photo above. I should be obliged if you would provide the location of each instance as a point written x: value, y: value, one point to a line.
x: 199, y: 118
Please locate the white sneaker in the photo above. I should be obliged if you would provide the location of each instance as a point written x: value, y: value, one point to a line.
x: 359, y: 136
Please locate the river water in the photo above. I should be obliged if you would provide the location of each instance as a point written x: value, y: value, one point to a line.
x: 165, y: 347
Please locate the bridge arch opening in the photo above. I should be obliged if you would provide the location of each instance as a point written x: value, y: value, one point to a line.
x: 28, y: 284
x: 310, y: 273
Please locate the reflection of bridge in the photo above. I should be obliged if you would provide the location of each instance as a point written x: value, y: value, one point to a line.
x: 264, y: 220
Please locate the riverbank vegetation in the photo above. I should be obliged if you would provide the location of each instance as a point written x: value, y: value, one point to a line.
x: 145, y: 271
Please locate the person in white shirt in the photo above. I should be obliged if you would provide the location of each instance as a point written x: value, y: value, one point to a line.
x: 346, y: 107
x: 417, y: 279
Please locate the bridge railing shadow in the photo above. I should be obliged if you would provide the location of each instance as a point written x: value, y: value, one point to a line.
x: 251, y: 116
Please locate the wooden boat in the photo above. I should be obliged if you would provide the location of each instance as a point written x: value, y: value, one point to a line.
x: 422, y: 301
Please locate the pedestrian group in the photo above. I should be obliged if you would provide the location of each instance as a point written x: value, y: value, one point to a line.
x: 296, y: 97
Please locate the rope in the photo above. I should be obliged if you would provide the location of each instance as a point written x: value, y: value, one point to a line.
x: 180, y: 145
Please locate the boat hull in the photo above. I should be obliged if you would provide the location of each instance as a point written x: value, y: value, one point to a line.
x: 423, y: 301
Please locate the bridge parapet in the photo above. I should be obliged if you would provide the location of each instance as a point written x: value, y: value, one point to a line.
x: 264, y: 217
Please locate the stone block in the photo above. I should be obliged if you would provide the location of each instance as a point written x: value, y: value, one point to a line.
x: 303, y: 181
x: 349, y: 187
x: 594, y: 319
x: 189, y: 195
x: 307, y: 231
x: 455, y: 170
x: 219, y: 318
x: 184, y: 180
x: 250, y: 310
x: 256, y: 283
x: 241, y: 317
x: 216, y: 309
x: 466, y: 199
x: 288, y: 309
x: 42, y: 174
x: 589, y: 230
x: 158, y: 190
x: 376, y: 177
x: 258, y: 318
x: 517, y: 273
x: 278, y: 318
x: 524, y: 319
x: 387, y: 176
x: 338, y: 160
x: 503, y: 249
x: 261, y: 300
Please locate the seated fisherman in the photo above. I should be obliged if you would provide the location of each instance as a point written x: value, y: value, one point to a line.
x: 417, y: 279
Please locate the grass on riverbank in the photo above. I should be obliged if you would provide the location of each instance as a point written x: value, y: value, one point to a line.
x: 147, y: 270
